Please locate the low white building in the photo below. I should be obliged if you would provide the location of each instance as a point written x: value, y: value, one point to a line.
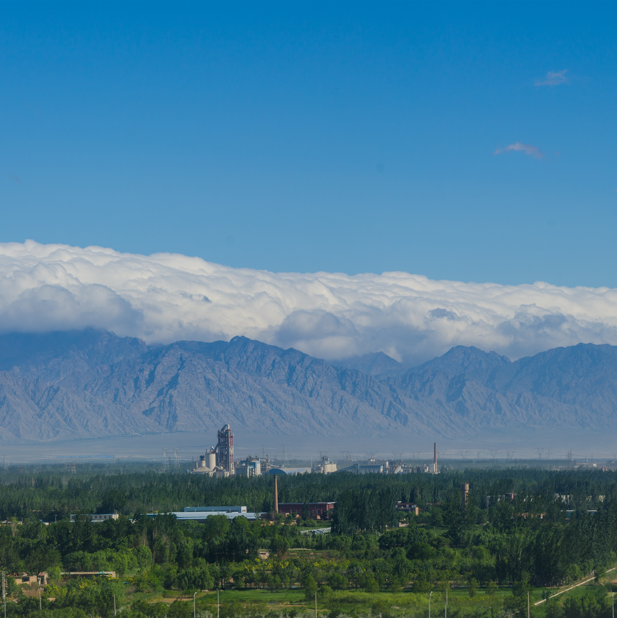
x: 201, y: 513
x: 96, y: 517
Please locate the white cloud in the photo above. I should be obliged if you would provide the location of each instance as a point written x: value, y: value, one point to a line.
x: 553, y: 78
x: 528, y: 149
x: 166, y: 297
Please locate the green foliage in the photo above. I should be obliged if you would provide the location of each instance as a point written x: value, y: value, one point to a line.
x: 368, y: 583
x: 310, y: 587
x: 364, y: 509
x: 554, y: 609
x: 491, y: 589
x: 589, y: 605
x: 521, y: 543
x: 421, y: 584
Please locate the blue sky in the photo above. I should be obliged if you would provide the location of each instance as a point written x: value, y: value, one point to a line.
x: 343, y: 137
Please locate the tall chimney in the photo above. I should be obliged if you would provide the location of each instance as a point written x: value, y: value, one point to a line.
x: 276, y: 494
x: 435, y: 458
x: 464, y: 494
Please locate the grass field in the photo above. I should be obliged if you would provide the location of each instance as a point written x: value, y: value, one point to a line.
x: 358, y: 603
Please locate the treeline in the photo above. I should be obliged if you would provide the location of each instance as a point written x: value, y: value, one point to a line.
x: 50, y: 497
x: 495, y: 540
x: 527, y: 539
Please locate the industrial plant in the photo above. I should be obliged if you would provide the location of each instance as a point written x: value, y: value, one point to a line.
x: 219, y: 462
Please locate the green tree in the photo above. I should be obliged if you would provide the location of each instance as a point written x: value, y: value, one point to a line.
x: 369, y: 583
x: 421, y: 583
x: 310, y: 587
x: 554, y: 609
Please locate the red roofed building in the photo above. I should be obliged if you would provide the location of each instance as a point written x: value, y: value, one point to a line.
x: 315, y: 510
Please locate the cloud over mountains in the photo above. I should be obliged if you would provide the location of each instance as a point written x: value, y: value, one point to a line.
x: 169, y: 297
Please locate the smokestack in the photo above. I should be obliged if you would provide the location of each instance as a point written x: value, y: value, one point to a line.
x: 435, y: 458
x: 464, y: 494
x: 276, y: 494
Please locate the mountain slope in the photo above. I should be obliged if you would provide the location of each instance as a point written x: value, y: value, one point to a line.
x: 92, y: 383
x: 377, y: 365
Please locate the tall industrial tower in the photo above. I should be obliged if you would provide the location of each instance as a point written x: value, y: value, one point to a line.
x: 225, y: 449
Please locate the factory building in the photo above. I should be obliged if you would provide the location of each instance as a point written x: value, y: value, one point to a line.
x: 407, y: 507
x: 206, y: 463
x: 315, y: 510
x: 201, y: 516
x: 214, y: 509
x: 288, y: 471
x: 225, y: 450
x: 370, y: 468
x: 251, y: 466
x: 96, y: 518
x: 201, y: 513
x: 218, y: 460
x: 325, y: 466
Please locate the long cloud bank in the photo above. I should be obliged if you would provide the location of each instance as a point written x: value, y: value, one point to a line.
x: 167, y: 297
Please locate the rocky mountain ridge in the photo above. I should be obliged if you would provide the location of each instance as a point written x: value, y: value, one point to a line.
x: 92, y: 384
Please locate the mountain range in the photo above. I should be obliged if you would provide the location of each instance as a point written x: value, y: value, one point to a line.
x: 92, y: 383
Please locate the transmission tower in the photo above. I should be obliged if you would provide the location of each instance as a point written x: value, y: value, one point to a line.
x: 165, y: 461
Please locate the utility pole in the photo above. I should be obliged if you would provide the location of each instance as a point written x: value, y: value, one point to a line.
x: 429, y: 603
x: 194, y: 612
x: 4, y: 594
x: 446, y: 611
x: 218, y: 604
x: 40, y: 604
x: 528, y: 604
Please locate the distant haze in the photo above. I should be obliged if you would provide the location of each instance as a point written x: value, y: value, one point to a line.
x: 164, y: 298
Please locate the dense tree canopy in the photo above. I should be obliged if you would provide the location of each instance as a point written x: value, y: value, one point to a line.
x: 513, y: 532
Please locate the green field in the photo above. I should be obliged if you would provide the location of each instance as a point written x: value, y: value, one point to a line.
x: 359, y: 603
